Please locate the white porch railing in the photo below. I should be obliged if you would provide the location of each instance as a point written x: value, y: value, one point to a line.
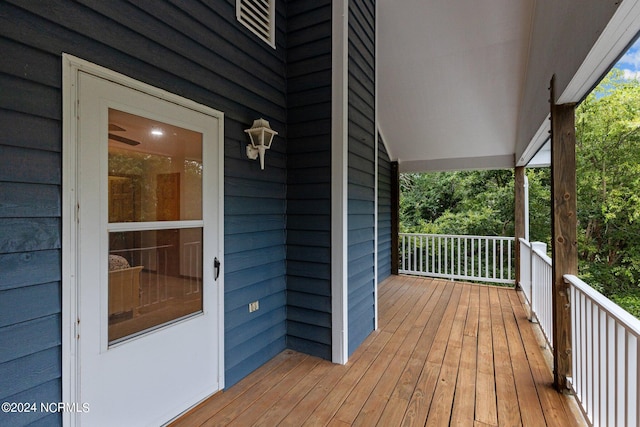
x: 525, y: 269
x: 535, y: 280
x: 476, y: 258
x: 605, y: 341
x: 606, y: 347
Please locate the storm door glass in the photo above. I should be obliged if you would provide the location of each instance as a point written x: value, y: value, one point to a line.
x: 155, y: 224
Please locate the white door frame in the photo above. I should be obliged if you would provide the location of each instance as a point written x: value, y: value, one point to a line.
x: 71, y: 66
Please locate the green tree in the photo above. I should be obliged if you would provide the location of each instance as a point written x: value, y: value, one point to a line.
x: 425, y: 197
x: 467, y: 202
x: 608, y: 183
x: 540, y: 205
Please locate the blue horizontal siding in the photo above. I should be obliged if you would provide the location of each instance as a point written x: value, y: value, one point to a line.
x: 26, y: 165
x: 308, y: 222
x: 309, y: 284
x: 35, y: 336
x: 29, y: 268
x: 310, y: 191
x: 384, y: 212
x: 361, y: 172
x: 309, y: 177
x: 263, y: 289
x: 38, y: 69
x: 305, y: 253
x: 252, y: 188
x: 268, y: 258
x: 308, y: 269
x: 254, y: 353
x: 239, y: 205
x: 246, y: 223
x: 322, y: 334
x: 359, y: 192
x: 311, y: 301
x: 300, y: 239
x: 254, y: 241
x: 29, y: 131
x: 300, y: 315
x: 41, y: 300
x: 34, y: 369
x: 272, y: 311
x: 250, y: 275
x: 22, y: 96
x: 310, y: 174
x: 29, y: 234
x: 30, y: 176
x: 309, y: 346
x: 20, y: 200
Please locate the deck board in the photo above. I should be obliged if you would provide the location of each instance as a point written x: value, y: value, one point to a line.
x: 440, y: 409
x: 445, y: 353
x: 486, y: 405
x: 506, y: 397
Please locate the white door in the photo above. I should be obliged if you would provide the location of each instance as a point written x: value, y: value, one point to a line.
x: 148, y: 242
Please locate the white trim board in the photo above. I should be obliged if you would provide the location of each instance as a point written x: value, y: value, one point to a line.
x: 339, y: 186
x: 537, y: 142
x: 376, y: 177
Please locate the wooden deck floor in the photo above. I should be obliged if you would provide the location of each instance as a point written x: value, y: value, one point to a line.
x: 445, y: 353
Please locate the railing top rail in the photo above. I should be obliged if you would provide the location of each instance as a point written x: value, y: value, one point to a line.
x: 629, y: 322
x: 467, y: 236
x: 542, y: 255
x: 524, y: 241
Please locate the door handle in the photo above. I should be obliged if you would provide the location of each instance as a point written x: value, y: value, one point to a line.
x: 216, y: 268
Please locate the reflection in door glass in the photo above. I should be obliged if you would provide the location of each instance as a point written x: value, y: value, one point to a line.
x: 155, y: 170
x: 154, y: 175
x: 155, y: 277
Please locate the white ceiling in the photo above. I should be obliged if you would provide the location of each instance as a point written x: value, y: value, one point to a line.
x: 461, y: 84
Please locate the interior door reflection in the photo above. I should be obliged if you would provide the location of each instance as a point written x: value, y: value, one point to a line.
x: 152, y: 282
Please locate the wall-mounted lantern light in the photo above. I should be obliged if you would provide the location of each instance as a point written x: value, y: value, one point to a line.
x: 261, y: 136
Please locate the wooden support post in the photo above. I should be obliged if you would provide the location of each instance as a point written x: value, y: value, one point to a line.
x: 395, y: 218
x: 519, y: 220
x: 563, y: 232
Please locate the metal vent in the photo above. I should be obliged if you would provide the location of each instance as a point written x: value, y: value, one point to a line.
x: 259, y: 17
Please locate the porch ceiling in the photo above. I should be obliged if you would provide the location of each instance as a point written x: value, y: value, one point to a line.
x: 464, y: 85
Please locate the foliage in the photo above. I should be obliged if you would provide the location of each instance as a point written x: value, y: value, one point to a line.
x: 469, y: 202
x: 630, y: 302
x: 425, y: 197
x: 472, y: 203
x: 608, y: 180
x: 540, y: 205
